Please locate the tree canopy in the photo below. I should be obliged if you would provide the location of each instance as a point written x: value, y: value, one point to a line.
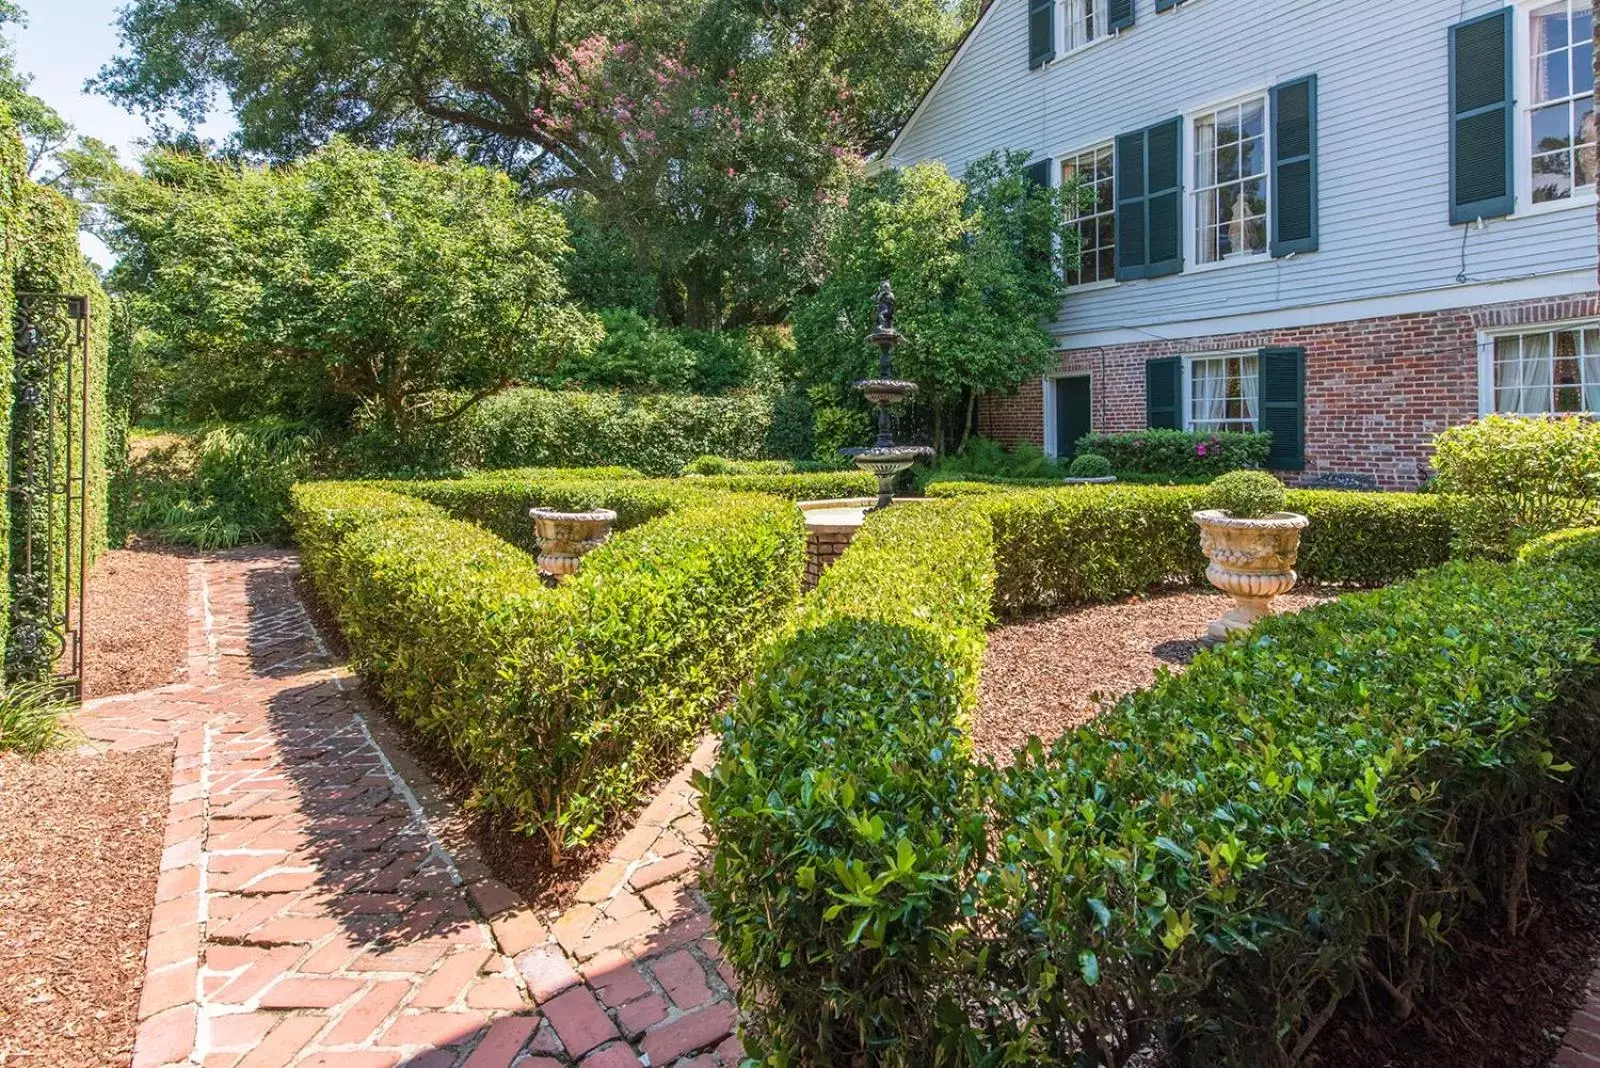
x: 976, y: 265
x: 710, y: 133
x: 354, y: 277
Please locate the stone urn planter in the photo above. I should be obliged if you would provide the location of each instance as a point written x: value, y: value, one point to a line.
x: 1252, y: 561
x: 566, y: 537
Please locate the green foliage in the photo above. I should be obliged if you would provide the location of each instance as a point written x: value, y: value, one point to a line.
x: 1579, y: 546
x: 1178, y: 452
x: 975, y: 265
x: 32, y: 715
x: 1245, y: 494
x: 1224, y: 852
x: 350, y: 278
x: 1370, y: 539
x: 836, y: 923
x: 836, y: 425
x: 984, y: 458
x: 657, y: 434
x: 721, y: 465
x: 563, y: 703
x: 638, y: 354
x: 228, y: 485
x: 1089, y: 465
x: 707, y: 140
x: 1515, y: 478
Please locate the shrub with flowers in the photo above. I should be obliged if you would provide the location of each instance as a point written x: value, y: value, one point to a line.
x: 1178, y: 453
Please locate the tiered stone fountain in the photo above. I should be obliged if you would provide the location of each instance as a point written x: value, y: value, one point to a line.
x: 884, y: 458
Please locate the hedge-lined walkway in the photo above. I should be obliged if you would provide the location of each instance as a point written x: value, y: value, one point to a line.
x: 309, y: 914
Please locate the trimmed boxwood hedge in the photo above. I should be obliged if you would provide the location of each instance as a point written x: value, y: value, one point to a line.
x: 1214, y: 864
x: 563, y: 703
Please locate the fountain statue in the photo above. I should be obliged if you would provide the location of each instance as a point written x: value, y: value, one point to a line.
x: 885, y: 459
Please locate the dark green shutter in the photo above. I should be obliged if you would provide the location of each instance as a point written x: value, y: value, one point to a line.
x: 1166, y: 5
x: 1283, y: 406
x: 1039, y: 173
x: 1129, y: 178
x: 1120, y: 14
x: 1163, y: 394
x: 1294, y: 167
x: 1041, y: 33
x: 1164, y: 200
x: 1482, y: 175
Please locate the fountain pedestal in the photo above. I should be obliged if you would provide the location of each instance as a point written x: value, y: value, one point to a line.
x: 884, y: 459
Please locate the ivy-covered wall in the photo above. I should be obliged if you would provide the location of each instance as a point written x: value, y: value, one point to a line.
x: 41, y: 255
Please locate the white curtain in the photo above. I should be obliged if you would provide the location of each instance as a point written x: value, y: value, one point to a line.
x: 1210, y: 393
x: 1205, y: 148
x: 1539, y: 27
x: 1591, y: 371
x: 1249, y: 370
x: 1524, y: 375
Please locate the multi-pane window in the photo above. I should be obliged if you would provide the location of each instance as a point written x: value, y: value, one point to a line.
x: 1561, y: 111
x: 1549, y: 371
x: 1230, y: 198
x: 1095, y: 217
x: 1223, y: 392
x: 1080, y: 22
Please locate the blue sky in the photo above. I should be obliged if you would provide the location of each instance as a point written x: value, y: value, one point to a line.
x: 64, y: 44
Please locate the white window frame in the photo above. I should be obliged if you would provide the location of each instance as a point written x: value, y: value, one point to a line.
x: 1055, y: 178
x: 1052, y: 417
x: 1102, y: 33
x: 1190, y: 359
x: 1191, y: 175
x: 1486, y: 347
x: 1522, y: 80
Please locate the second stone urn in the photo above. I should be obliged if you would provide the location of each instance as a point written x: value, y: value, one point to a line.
x: 566, y: 537
x: 1252, y: 560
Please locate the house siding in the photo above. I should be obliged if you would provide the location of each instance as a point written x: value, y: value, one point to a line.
x: 1383, y: 152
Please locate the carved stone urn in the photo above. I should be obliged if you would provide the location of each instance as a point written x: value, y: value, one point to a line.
x: 566, y: 537
x: 1252, y: 561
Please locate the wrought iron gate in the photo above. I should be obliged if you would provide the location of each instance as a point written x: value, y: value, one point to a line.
x: 47, y: 488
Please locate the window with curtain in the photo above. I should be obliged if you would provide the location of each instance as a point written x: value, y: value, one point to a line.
x: 1222, y: 393
x: 1080, y: 23
x: 1096, y: 221
x: 1231, y: 187
x: 1549, y: 372
x: 1561, y: 110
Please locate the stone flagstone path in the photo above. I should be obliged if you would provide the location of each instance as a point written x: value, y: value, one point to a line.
x: 312, y: 911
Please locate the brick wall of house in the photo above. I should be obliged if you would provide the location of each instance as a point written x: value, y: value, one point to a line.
x: 1377, y: 390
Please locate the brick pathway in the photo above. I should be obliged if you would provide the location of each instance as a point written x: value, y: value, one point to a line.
x: 1581, y: 1045
x: 313, y: 909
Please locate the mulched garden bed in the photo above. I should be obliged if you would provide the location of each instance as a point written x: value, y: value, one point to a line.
x: 137, y: 620
x: 80, y: 844
x: 1047, y: 675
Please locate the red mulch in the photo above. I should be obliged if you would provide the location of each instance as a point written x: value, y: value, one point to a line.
x: 1045, y: 676
x: 137, y: 622
x: 80, y: 844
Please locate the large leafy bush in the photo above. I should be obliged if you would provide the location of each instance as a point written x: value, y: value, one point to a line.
x: 563, y: 703
x: 1215, y: 864
x: 1515, y: 478
x: 1178, y: 453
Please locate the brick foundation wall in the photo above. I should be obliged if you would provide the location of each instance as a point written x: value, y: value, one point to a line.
x: 1377, y: 390
x: 824, y: 546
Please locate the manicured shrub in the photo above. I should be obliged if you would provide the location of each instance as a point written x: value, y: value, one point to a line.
x: 1369, y: 539
x: 1178, y: 452
x: 1089, y: 465
x: 1217, y: 860
x: 837, y: 925
x: 722, y: 465
x: 1245, y: 494
x: 562, y: 703
x: 1515, y: 478
x: 654, y: 433
x: 574, y: 474
x: 1579, y: 545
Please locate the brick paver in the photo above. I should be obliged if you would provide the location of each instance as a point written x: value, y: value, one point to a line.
x: 310, y: 910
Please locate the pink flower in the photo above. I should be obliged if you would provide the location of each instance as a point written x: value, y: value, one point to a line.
x: 1200, y: 449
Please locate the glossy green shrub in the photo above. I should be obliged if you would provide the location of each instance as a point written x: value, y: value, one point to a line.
x: 722, y: 465
x: 562, y: 703
x: 1370, y: 539
x: 574, y: 474
x: 1178, y: 452
x: 1245, y: 494
x: 848, y: 827
x: 1214, y: 863
x: 1579, y: 545
x: 1089, y: 465
x: 1512, y: 479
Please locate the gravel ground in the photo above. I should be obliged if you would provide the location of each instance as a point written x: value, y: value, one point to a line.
x: 1044, y: 676
x: 80, y: 842
x: 137, y: 620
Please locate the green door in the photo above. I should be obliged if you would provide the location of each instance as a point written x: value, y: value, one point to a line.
x: 1074, y: 414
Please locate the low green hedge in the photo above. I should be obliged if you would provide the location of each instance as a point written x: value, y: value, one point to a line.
x: 723, y: 465
x: 563, y: 703
x: 1215, y: 863
x: 572, y: 474
x: 1579, y: 545
x: 1179, y: 452
x: 1091, y: 544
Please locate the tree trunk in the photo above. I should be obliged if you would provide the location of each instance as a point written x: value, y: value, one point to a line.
x: 972, y: 412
